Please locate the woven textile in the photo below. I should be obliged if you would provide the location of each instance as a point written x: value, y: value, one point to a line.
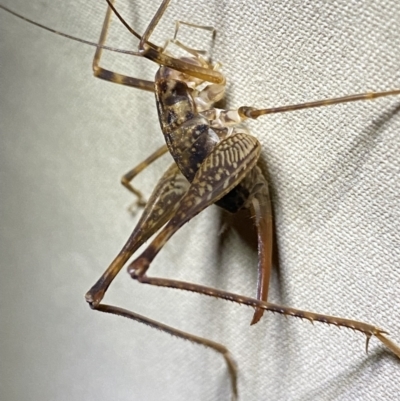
x: 66, y: 139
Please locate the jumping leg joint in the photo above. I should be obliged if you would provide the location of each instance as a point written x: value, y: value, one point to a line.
x: 138, y: 268
x: 95, y: 295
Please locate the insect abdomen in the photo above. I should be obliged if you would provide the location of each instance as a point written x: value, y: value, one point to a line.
x: 188, y: 135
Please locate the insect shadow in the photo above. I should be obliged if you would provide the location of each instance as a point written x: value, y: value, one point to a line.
x: 216, y: 161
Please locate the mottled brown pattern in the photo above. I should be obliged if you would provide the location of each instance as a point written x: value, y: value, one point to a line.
x: 216, y: 162
x: 190, y: 138
x: 158, y: 210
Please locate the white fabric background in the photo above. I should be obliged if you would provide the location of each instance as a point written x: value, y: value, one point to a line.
x: 66, y: 138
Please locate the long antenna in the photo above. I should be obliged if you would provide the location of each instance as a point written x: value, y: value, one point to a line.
x: 87, y: 42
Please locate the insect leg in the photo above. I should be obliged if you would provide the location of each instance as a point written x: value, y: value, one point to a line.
x: 158, y: 211
x: 262, y: 211
x: 220, y: 172
x: 189, y: 49
x: 205, y: 27
x: 131, y: 174
x: 148, y: 50
x: 230, y: 362
x: 251, y: 112
x: 108, y: 75
x: 161, y: 206
x: 154, y: 53
x: 368, y: 329
x: 151, y: 52
x: 194, y: 52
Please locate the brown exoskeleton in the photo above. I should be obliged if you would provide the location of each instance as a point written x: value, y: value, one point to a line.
x: 225, y: 144
x: 215, y: 162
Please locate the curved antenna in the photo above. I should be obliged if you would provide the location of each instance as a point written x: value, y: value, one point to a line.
x: 87, y: 42
x: 129, y: 28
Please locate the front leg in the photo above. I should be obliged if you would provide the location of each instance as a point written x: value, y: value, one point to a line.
x: 131, y: 174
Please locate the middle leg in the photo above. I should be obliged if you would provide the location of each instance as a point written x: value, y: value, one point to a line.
x: 131, y: 174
